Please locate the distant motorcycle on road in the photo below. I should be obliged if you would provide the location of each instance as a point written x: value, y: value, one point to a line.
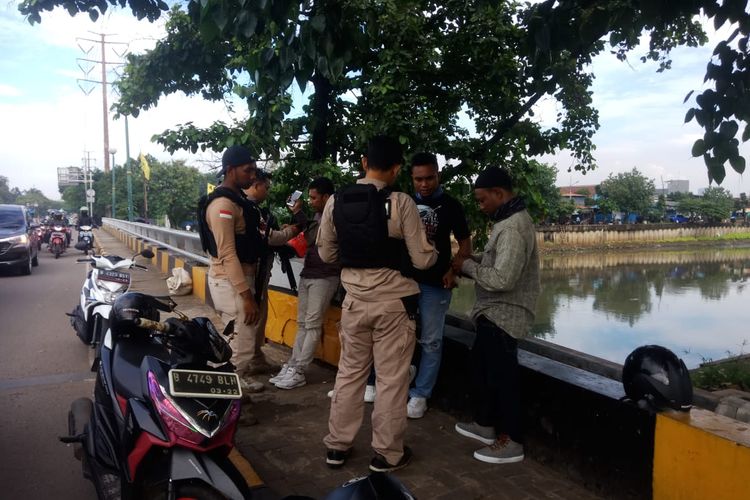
x: 85, y: 239
x: 57, y: 240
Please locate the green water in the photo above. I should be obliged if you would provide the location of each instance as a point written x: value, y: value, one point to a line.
x: 607, y: 304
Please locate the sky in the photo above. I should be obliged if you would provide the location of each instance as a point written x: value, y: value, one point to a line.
x: 47, y: 121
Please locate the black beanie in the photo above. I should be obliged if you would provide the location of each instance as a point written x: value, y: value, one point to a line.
x: 235, y: 156
x: 494, y: 177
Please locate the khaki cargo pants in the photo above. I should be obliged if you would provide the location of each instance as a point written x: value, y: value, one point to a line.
x: 379, y: 332
x: 248, y: 340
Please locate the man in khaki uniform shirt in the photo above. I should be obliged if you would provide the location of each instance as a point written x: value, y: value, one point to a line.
x: 375, y: 324
x: 232, y: 272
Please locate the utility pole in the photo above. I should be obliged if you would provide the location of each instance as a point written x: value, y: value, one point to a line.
x: 103, y: 82
x: 88, y: 182
x: 129, y: 171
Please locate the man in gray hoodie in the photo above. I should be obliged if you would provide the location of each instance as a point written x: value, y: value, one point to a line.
x: 506, y: 277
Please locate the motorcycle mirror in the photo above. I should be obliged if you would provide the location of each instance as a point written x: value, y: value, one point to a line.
x: 146, y: 252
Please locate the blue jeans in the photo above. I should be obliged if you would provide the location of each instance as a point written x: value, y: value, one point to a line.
x: 433, y: 305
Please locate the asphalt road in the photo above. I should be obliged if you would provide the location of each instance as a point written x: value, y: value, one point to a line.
x: 43, y: 367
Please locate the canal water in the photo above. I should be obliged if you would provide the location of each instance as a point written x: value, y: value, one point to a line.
x: 607, y: 304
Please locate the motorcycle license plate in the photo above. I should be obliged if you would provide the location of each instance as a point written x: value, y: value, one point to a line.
x: 204, y: 384
x: 115, y: 276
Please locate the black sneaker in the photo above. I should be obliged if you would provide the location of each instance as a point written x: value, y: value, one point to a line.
x: 337, y: 458
x: 379, y: 463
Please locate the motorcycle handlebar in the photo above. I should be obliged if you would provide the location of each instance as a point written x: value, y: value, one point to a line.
x: 153, y: 325
x: 83, y: 260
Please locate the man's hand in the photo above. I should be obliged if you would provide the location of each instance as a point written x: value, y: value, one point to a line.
x: 458, y: 261
x: 250, y: 307
x: 449, y: 280
x: 295, y: 229
x: 297, y: 206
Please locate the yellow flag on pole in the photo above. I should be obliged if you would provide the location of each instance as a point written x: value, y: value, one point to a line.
x: 145, y: 167
x: 210, y: 188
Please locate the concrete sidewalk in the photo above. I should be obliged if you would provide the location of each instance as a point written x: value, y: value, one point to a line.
x: 286, y: 448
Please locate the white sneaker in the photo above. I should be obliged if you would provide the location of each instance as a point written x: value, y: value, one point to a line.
x: 280, y: 375
x: 293, y: 378
x: 416, y: 407
x: 330, y: 393
x: 370, y: 394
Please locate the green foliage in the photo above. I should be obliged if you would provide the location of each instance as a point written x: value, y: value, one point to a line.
x: 629, y: 191
x: 29, y: 197
x: 714, y: 206
x: 730, y: 373
x: 414, y: 68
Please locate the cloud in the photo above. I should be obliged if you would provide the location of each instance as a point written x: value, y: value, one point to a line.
x: 9, y: 91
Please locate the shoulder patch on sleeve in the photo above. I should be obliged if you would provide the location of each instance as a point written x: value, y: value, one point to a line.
x: 225, y: 214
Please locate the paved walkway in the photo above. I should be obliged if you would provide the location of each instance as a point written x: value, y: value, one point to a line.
x: 285, y: 446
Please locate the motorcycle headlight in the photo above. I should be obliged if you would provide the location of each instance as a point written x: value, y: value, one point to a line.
x: 108, y: 291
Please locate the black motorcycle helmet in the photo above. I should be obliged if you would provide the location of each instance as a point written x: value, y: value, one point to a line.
x: 655, y: 374
x: 376, y: 486
x: 128, y: 307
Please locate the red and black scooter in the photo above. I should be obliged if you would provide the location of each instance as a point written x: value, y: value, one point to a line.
x: 165, y: 409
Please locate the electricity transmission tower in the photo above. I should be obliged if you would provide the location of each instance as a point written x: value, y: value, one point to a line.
x: 103, y: 63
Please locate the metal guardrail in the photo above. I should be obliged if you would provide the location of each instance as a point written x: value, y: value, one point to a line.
x: 188, y: 245
x: 180, y: 242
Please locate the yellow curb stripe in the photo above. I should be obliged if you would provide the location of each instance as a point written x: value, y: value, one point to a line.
x: 252, y: 478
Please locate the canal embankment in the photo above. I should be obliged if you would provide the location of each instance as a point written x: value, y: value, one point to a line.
x: 576, y: 238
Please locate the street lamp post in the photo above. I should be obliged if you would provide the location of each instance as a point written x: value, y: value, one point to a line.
x: 112, y: 151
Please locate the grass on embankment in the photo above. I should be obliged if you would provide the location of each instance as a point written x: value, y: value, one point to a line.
x: 728, y: 375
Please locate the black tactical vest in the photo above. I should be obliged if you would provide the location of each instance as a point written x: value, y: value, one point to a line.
x: 249, y: 246
x: 360, y: 215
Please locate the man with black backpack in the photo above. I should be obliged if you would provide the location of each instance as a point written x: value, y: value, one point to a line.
x: 231, y: 232
x: 377, y: 236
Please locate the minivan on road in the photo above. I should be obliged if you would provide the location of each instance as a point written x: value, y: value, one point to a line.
x: 18, y: 246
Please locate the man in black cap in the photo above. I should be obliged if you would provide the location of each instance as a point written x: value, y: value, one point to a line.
x: 506, y: 277
x: 231, y: 232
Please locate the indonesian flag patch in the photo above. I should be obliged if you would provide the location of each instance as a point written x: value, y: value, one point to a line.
x: 225, y: 214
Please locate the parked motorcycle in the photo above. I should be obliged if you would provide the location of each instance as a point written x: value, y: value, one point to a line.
x: 85, y: 239
x: 57, y: 240
x: 165, y: 408
x: 108, y: 279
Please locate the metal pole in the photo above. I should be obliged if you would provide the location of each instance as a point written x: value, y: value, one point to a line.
x: 114, y: 210
x: 105, y: 110
x: 129, y: 172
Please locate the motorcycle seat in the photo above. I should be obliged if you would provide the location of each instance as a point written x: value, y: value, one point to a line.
x: 126, y: 365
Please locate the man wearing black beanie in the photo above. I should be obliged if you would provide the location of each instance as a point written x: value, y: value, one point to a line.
x: 506, y: 277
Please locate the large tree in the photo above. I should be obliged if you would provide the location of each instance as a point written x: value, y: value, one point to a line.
x: 630, y: 192
x: 414, y: 68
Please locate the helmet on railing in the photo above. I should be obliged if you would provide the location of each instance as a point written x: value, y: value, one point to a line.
x: 654, y: 374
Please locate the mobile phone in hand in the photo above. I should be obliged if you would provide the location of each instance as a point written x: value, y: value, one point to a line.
x: 293, y: 198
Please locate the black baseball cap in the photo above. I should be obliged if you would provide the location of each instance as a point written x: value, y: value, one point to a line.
x: 235, y: 156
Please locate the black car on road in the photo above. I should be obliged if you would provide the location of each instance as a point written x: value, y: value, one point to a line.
x: 18, y: 242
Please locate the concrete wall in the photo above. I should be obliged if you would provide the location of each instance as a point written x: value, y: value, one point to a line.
x: 602, y: 236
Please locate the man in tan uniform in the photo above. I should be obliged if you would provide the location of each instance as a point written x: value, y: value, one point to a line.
x: 231, y: 233
x: 375, y: 234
